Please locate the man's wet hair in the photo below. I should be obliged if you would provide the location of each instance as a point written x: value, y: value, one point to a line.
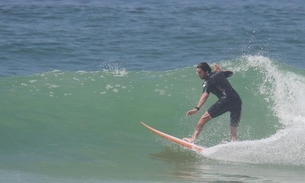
x: 205, y: 67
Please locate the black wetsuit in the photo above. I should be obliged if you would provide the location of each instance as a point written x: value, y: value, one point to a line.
x: 228, y: 98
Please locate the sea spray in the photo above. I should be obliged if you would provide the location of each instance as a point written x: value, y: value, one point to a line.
x: 284, y: 89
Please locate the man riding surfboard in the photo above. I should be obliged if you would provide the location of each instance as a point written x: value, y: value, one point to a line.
x: 228, y: 99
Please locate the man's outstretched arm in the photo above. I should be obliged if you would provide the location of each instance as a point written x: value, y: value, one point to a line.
x: 226, y: 73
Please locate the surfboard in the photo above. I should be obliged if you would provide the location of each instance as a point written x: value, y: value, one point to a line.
x: 176, y: 140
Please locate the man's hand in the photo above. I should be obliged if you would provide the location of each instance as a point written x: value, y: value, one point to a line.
x: 216, y: 67
x: 191, y: 112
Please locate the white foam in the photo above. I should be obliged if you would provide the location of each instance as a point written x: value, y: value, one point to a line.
x: 109, y: 87
x: 32, y: 81
x: 287, y: 146
x: 113, y: 68
x: 160, y: 91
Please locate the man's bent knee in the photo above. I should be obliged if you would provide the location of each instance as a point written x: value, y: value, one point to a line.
x: 205, y: 117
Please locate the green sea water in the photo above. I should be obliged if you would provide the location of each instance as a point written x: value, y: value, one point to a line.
x: 77, y: 77
x: 85, y: 126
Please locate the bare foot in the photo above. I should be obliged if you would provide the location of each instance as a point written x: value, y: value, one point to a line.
x: 190, y: 140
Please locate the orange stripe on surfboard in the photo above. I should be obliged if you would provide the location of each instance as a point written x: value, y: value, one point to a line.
x: 174, y: 139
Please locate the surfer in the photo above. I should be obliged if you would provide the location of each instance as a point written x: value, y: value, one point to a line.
x: 228, y: 99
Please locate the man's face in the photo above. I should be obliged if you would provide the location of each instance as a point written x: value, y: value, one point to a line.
x: 201, y: 73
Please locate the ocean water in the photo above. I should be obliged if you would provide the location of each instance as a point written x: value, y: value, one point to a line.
x: 77, y: 77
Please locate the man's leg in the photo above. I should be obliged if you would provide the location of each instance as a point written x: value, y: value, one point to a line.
x: 233, y: 133
x: 202, y: 121
x: 234, y: 122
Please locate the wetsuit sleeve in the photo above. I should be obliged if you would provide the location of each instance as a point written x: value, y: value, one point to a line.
x: 206, y: 87
x: 227, y: 73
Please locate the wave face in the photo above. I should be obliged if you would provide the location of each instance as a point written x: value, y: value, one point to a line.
x: 87, y: 123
